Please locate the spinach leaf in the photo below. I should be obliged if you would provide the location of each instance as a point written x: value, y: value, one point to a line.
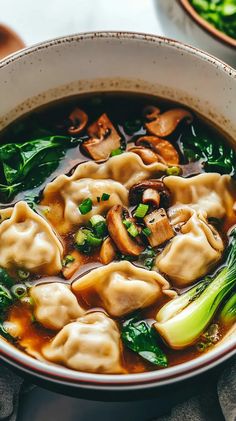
x: 214, y: 155
x: 6, y: 279
x: 5, y: 298
x: 142, y: 338
x: 27, y: 165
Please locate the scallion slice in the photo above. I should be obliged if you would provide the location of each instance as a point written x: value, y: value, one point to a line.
x: 67, y: 259
x: 127, y: 223
x: 141, y: 210
x: 19, y: 290
x: 146, y: 232
x: 23, y: 274
x: 95, y: 219
x: 105, y: 196
x: 116, y: 152
x: 85, y: 206
x: 173, y: 171
x: 133, y: 231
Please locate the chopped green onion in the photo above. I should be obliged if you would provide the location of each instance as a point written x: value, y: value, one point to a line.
x: 173, y: 171
x: 127, y: 223
x: 105, y: 196
x: 92, y: 240
x: 115, y: 152
x: 99, y: 225
x: 80, y: 237
x: 100, y: 229
x: 141, y: 210
x: 19, y: 290
x: 146, y: 231
x: 133, y: 231
x: 68, y: 259
x: 85, y: 240
x: 85, y: 206
x: 95, y: 219
x: 23, y: 274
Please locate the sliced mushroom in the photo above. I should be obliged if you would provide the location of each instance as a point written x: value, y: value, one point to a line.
x: 119, y: 234
x: 151, y: 112
x: 165, y: 151
x: 147, y: 155
x: 166, y: 123
x: 137, y: 190
x: 151, y: 196
x: 103, y: 139
x: 107, y: 251
x: 159, y: 225
x: 79, y: 119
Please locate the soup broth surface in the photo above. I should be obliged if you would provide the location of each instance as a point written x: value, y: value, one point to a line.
x: 80, y: 254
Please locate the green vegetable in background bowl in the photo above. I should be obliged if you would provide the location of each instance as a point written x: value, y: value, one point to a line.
x: 219, y: 13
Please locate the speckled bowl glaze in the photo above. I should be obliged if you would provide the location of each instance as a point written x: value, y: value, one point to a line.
x: 117, y: 62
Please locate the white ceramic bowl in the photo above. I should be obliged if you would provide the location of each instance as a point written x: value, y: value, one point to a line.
x: 117, y: 62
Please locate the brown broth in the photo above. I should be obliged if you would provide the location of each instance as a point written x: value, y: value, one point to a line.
x: 120, y: 108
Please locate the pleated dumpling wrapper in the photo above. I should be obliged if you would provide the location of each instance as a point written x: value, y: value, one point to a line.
x: 123, y: 287
x: 28, y: 242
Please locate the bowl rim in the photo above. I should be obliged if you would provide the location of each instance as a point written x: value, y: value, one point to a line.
x: 158, y: 378
x: 206, y: 26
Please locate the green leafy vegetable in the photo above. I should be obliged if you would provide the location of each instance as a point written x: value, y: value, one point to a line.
x: 181, y: 321
x: 219, y: 13
x: 27, y: 165
x: 214, y: 154
x: 228, y: 312
x: 5, y: 279
x: 142, y: 338
x: 5, y: 298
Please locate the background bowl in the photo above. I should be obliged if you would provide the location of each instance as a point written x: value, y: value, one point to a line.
x: 180, y: 20
x: 125, y: 62
x: 210, y: 29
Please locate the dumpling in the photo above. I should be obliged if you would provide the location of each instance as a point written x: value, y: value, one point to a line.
x: 55, y: 305
x: 74, y: 192
x: 92, y: 343
x: 91, y: 180
x: 123, y: 287
x: 210, y: 192
x: 28, y: 242
x: 193, y: 252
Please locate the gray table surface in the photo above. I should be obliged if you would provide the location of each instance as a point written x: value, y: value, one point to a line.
x: 40, y: 20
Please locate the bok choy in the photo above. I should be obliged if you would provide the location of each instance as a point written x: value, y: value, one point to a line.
x: 181, y: 321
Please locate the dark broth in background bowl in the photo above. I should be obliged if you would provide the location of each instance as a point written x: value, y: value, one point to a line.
x: 125, y: 111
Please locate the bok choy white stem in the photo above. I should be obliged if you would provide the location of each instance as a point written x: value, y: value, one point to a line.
x: 181, y: 321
